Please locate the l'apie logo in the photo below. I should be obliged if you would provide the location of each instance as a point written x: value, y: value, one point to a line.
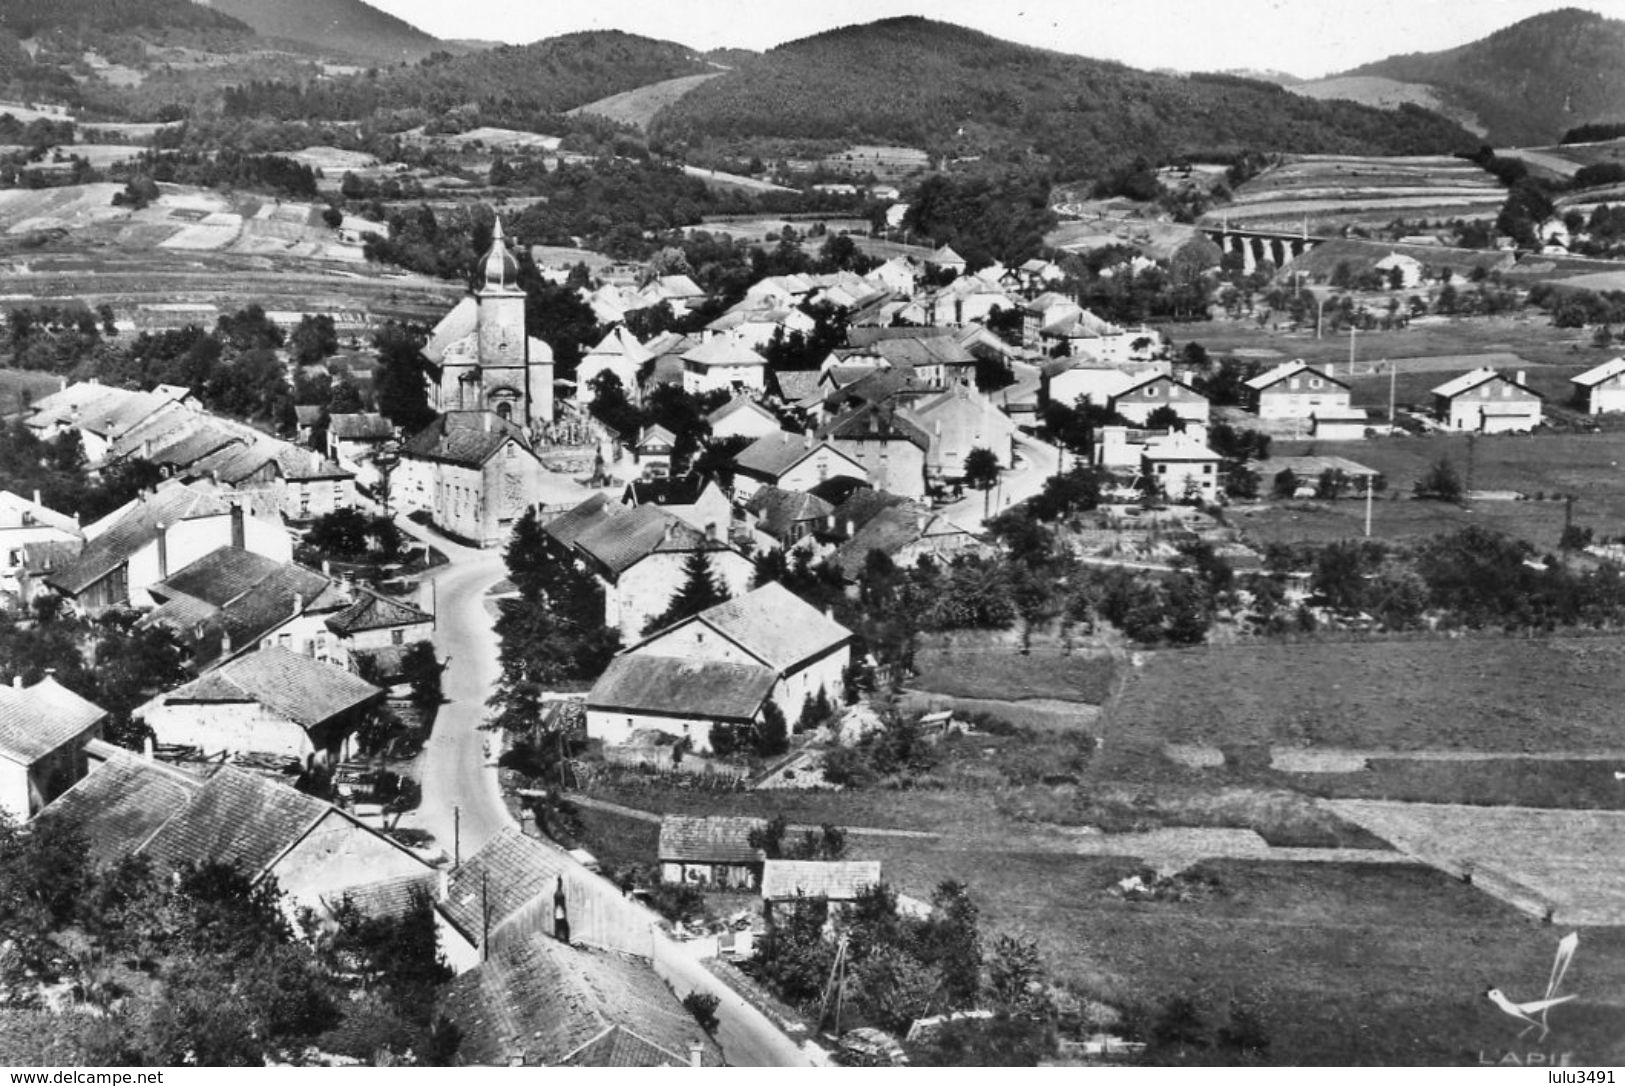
x: 1534, y: 1013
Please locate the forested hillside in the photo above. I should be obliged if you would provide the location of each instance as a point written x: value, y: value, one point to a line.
x: 548, y: 76
x: 1530, y: 82
x: 956, y: 91
x: 348, y: 26
x: 28, y: 18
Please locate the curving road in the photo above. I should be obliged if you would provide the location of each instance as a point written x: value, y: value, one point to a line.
x: 454, y: 768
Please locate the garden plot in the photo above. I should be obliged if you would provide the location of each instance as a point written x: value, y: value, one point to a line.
x: 1568, y: 865
x: 72, y: 207
x: 215, y: 231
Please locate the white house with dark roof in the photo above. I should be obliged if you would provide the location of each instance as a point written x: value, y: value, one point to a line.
x: 638, y: 556
x: 1294, y: 390
x: 619, y: 353
x: 722, y: 665
x: 160, y: 533
x: 25, y: 523
x: 838, y: 883
x: 379, y: 628
x: 43, y: 732
x: 1138, y: 401
x: 353, y: 440
x: 475, y: 474
x: 791, y: 462
x: 1601, y: 389
x: 268, y: 702
x: 742, y: 416
x: 958, y: 421
x: 1484, y: 401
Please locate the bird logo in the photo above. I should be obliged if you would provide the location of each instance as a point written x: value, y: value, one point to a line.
x: 1526, y: 1012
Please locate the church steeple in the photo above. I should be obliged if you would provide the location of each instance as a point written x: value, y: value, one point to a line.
x: 501, y: 269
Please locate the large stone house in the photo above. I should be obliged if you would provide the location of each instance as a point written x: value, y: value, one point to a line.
x: 792, y: 462
x: 722, y: 666
x: 1139, y: 401
x: 474, y: 473
x: 638, y: 557
x: 1295, y: 390
x: 887, y: 441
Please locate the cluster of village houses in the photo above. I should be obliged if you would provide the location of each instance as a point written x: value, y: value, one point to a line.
x: 842, y: 461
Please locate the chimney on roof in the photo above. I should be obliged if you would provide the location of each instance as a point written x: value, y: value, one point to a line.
x: 16, y: 682
x: 148, y: 750
x: 851, y: 529
x: 1520, y: 377
x: 696, y: 1053
x: 163, y: 550
x: 239, y: 533
x: 225, y: 643
x: 36, y: 496
x: 298, y: 603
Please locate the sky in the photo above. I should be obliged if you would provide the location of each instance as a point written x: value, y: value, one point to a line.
x: 1307, y: 38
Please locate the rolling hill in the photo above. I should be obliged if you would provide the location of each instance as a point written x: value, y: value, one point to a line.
x: 958, y: 92
x: 1528, y: 83
x: 345, y: 26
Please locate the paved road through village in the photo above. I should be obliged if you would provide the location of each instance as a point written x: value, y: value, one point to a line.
x: 456, y: 771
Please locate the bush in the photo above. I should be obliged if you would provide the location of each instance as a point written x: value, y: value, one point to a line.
x: 703, y: 1006
x: 677, y: 902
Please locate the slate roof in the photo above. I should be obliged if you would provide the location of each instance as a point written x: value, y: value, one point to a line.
x: 771, y: 455
x: 185, y: 451
x: 673, y: 490
x: 237, y: 594
x: 619, y: 538
x: 737, y: 404
x: 840, y: 880
x: 945, y: 255
x: 464, y: 437
x: 550, y: 1003
x: 123, y: 532
x: 889, y: 531
x: 391, y: 897
x: 776, y: 626
x: 121, y: 803
x: 510, y: 871
x: 796, y: 386
x: 713, y: 839
x: 302, y: 689
x: 307, y: 414
x: 36, y: 720
x: 238, y: 818
x: 678, y: 686
x: 862, y: 506
x: 365, y: 426
x: 17, y: 511
x: 374, y: 611
x: 943, y: 350
x: 781, y: 510
x: 1596, y: 375
x: 876, y: 422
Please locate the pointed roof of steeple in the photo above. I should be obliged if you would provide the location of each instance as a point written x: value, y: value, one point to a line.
x: 501, y: 269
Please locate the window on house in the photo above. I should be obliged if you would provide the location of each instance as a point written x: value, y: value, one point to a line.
x: 1151, y: 392
x: 1314, y: 382
x: 397, y: 637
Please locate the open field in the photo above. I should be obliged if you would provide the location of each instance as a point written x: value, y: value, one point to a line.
x: 1574, y: 784
x: 1003, y: 673
x: 1359, y: 964
x: 733, y: 180
x: 1324, y: 188
x: 17, y: 386
x: 638, y: 107
x: 1571, y: 861
x: 1400, y: 520
x: 1495, y: 694
x: 1532, y: 338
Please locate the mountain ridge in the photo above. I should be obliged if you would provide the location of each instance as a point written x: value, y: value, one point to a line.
x: 352, y: 27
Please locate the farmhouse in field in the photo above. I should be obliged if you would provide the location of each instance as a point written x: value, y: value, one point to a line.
x: 722, y: 666
x: 43, y: 732
x: 480, y: 358
x: 1295, y: 390
x: 711, y: 851
x: 1486, y: 402
x: 1601, y: 389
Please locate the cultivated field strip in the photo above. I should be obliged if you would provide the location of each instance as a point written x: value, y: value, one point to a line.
x: 1565, y: 866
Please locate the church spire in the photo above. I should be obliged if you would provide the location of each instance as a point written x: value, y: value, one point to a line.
x: 501, y: 269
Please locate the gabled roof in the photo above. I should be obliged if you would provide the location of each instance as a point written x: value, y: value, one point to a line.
x: 863, y: 505
x: 841, y: 880
x: 121, y: 803
x: 307, y: 414
x: 682, y: 687
x: 772, y: 455
x: 718, y: 839
x: 780, y: 510
x: 876, y: 422
x: 306, y: 691
x: 1152, y: 379
x: 234, y: 594
x: 183, y: 452
x: 464, y: 437
x: 237, y: 818
x: 1472, y: 379
x: 945, y: 255
x: 36, y: 720
x: 655, y: 436
x: 552, y: 1003
x: 889, y: 531
x: 509, y: 872
x: 723, y: 351
x: 620, y: 343
x: 1285, y: 370
x: 20, y: 512
x: 365, y: 426
x: 738, y: 404
x: 119, y: 535
x: 375, y: 611
x: 771, y: 623
x: 618, y: 538
x: 797, y: 386
x: 1596, y: 375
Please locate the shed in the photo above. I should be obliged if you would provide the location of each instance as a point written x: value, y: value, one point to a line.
x: 714, y: 850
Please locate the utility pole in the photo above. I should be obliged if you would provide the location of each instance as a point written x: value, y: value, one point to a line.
x: 1392, y: 370
x: 1467, y: 486
x: 456, y: 838
x: 485, y: 915
x: 1368, y: 507
x: 1352, y: 329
